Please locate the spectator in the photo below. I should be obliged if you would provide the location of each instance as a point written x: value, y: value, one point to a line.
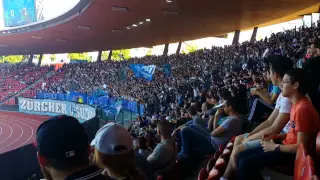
x: 273, y: 125
x: 163, y: 157
x: 263, y: 105
x: 114, y: 153
x: 304, y: 128
x: 142, y: 147
x: 63, y: 150
x: 317, y: 45
x: 197, y: 141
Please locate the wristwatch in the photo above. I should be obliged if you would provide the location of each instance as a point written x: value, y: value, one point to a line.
x: 277, y: 148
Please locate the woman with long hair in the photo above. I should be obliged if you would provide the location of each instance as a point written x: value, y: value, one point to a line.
x: 114, y: 153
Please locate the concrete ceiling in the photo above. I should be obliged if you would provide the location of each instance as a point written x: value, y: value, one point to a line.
x: 177, y: 21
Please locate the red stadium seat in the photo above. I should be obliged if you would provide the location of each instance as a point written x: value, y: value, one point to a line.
x: 300, y: 161
x: 318, y: 143
x: 211, y: 163
x: 214, y: 174
x: 308, y: 171
x: 226, y: 154
x: 203, y: 174
x: 216, y: 156
x: 233, y: 139
x: 222, y: 147
x: 160, y: 177
x: 220, y: 165
x: 230, y: 146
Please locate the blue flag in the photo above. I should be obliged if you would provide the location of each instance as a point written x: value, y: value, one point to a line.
x: 167, y: 70
x: 143, y: 71
x: 123, y: 73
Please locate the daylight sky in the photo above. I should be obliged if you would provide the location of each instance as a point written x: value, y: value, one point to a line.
x: 54, y: 8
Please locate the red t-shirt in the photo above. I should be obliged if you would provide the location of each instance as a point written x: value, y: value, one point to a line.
x: 303, y: 118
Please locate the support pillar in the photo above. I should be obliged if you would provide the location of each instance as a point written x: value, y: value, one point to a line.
x: 166, y: 49
x: 179, y: 48
x: 30, y: 59
x: 254, y: 35
x: 99, y: 56
x: 110, y: 54
x: 236, y: 37
x: 40, y: 60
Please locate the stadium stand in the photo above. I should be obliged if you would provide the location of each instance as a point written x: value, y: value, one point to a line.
x: 196, y: 80
x: 18, y: 77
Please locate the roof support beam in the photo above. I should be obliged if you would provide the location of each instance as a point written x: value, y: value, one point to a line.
x: 30, y: 59
x: 110, y: 54
x: 236, y: 37
x: 40, y: 60
x: 166, y: 49
x: 254, y: 35
x: 179, y: 48
x: 99, y: 56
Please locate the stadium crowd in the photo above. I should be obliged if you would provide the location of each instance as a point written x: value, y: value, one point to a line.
x: 263, y: 93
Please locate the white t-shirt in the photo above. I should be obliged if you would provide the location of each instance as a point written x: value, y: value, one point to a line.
x: 284, y: 105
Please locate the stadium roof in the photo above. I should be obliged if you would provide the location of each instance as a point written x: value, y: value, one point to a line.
x: 104, y: 24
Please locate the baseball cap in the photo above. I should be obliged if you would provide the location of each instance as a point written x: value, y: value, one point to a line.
x: 112, y: 139
x: 62, y: 138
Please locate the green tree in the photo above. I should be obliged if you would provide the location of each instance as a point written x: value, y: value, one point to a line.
x: 104, y: 55
x: 79, y: 56
x: 53, y: 57
x: 190, y: 48
x: 37, y: 57
x: 120, y: 55
x: 13, y: 59
x: 149, y: 52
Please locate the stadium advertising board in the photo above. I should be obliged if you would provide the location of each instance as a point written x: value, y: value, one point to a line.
x: 47, y: 107
x: 18, y: 12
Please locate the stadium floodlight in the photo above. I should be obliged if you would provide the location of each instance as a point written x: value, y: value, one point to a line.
x: 84, y: 27
x: 134, y: 25
x: 128, y: 27
x: 119, y: 9
x: 36, y: 37
x: 141, y: 22
x: 169, y: 1
x: 61, y: 40
x: 148, y: 20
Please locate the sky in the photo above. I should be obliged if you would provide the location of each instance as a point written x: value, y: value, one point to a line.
x: 54, y: 8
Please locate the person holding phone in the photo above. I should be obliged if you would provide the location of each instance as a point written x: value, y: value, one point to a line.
x: 196, y: 140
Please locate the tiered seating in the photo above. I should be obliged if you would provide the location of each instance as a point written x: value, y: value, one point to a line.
x: 217, y: 163
x: 304, y: 168
x: 18, y: 79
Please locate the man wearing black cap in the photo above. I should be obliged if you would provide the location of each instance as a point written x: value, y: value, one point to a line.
x: 63, y: 150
